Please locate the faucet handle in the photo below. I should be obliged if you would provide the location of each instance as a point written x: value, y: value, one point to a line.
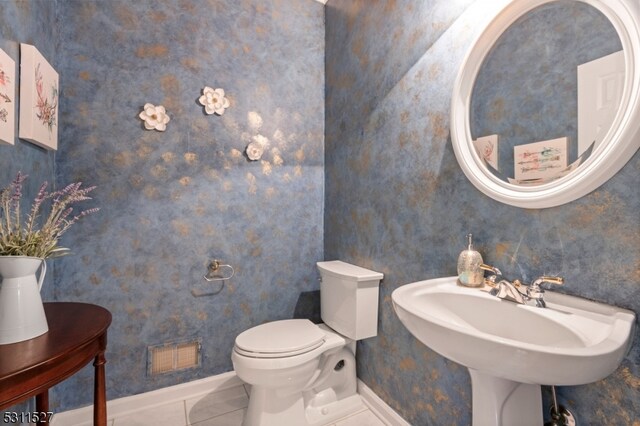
x: 490, y: 268
x: 491, y: 280
x: 548, y: 279
x: 535, y: 291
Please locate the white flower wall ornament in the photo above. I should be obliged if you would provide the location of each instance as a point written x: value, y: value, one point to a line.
x: 256, y: 147
x: 213, y: 100
x: 154, y: 117
x: 254, y: 151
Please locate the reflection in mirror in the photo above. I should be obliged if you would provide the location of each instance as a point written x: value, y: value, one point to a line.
x: 556, y: 65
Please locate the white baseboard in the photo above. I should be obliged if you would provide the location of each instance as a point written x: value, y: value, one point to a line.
x: 124, y: 406
x: 127, y: 405
x: 379, y: 407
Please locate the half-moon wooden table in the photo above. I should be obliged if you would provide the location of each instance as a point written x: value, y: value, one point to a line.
x: 77, y: 334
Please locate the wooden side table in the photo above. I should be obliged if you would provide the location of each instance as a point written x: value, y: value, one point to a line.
x: 77, y: 334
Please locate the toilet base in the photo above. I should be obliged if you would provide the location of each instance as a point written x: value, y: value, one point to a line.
x: 334, y: 410
x: 330, y: 396
x: 284, y: 411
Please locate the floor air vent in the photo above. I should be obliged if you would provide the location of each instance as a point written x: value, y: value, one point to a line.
x: 173, y: 356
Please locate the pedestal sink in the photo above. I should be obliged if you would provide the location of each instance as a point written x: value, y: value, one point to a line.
x: 511, y: 349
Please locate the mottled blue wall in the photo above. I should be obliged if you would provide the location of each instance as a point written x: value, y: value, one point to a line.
x: 397, y: 202
x: 172, y: 201
x: 33, y: 22
x: 527, y: 88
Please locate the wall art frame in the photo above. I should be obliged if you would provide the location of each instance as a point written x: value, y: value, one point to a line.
x: 487, y: 148
x: 39, y: 96
x: 7, y: 99
x: 540, y: 161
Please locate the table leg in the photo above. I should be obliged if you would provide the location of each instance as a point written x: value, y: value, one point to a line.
x: 42, y: 406
x: 99, y: 392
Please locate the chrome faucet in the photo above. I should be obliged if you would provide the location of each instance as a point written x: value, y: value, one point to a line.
x: 509, y: 291
x: 516, y: 291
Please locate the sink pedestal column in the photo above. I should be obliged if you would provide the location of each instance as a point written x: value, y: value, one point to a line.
x: 501, y: 402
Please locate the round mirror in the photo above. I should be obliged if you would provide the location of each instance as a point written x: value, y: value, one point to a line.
x: 546, y: 107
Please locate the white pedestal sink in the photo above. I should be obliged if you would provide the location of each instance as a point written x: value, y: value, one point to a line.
x: 510, y: 349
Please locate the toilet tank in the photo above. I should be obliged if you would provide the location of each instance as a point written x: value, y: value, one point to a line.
x: 349, y: 299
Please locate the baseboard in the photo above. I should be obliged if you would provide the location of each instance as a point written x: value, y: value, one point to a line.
x: 124, y: 406
x: 379, y: 407
x: 127, y: 405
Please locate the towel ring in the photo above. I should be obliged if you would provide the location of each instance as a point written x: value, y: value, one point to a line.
x: 216, y: 271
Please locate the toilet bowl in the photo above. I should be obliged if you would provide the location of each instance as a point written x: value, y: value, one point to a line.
x: 304, y: 374
x: 287, y: 387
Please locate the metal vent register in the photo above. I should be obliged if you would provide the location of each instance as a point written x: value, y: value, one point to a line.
x: 173, y: 356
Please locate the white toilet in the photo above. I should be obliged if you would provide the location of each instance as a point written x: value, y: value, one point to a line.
x: 304, y: 374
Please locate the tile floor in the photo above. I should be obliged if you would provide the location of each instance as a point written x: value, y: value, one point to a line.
x: 221, y: 408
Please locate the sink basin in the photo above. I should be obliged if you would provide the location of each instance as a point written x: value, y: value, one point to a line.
x: 570, y: 342
x: 511, y: 349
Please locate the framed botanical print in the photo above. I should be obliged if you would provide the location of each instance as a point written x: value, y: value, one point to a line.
x: 487, y: 148
x: 38, y: 99
x: 7, y: 99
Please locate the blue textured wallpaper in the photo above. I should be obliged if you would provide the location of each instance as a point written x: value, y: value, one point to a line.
x: 171, y: 201
x: 535, y: 97
x: 397, y: 202
x: 33, y: 22
x: 388, y: 193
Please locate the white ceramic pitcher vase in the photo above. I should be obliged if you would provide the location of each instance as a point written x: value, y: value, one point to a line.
x: 21, y: 312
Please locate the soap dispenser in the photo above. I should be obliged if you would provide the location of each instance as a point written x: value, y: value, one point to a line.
x: 469, y: 272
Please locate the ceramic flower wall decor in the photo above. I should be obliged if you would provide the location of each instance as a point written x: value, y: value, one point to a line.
x: 213, y: 100
x: 154, y: 117
x: 254, y: 151
x: 256, y: 147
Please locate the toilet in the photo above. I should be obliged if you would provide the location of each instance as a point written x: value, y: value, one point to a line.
x: 304, y: 374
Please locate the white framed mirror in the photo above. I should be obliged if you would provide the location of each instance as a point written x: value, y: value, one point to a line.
x: 500, y: 100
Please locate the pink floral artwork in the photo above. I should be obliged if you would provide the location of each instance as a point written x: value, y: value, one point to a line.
x: 47, y: 103
x: 487, y: 149
x: 38, y: 99
x: 7, y: 98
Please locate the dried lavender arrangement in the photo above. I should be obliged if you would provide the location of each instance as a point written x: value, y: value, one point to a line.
x: 28, y: 238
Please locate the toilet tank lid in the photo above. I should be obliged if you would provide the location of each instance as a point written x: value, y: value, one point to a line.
x: 348, y: 271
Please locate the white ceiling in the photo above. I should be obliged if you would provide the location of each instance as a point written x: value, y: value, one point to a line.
x: 322, y: 1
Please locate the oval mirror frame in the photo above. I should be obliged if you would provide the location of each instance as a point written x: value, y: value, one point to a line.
x: 617, y: 147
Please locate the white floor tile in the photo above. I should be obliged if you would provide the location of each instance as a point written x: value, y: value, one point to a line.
x: 221, y: 408
x: 216, y: 403
x: 172, y: 414
x: 233, y: 418
x: 364, y: 418
x: 90, y: 423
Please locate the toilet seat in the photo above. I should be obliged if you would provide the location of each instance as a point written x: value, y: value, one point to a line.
x: 279, y: 339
